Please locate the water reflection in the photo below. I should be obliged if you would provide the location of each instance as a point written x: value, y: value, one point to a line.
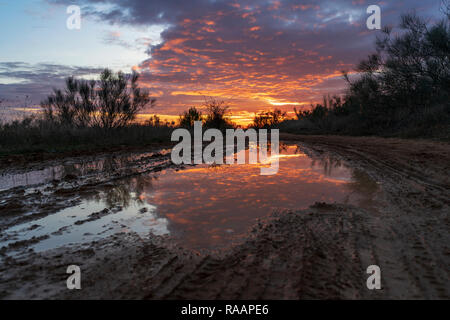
x: 206, y: 206
x: 365, y: 187
x: 127, y: 192
x: 70, y: 171
x: 209, y: 206
x: 113, y: 209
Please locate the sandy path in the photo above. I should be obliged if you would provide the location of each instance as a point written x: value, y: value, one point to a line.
x: 321, y: 252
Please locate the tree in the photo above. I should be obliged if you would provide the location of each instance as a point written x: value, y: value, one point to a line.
x: 269, y: 118
x: 188, y: 117
x: 445, y: 7
x: 111, y: 102
x: 216, y: 115
x: 411, y: 69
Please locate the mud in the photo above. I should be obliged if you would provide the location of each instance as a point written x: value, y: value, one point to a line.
x: 321, y: 252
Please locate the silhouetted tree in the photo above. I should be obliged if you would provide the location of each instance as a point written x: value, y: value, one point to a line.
x: 445, y: 7
x: 111, y: 102
x: 404, y: 85
x: 188, y: 117
x: 411, y: 69
x: 269, y: 118
x: 216, y: 115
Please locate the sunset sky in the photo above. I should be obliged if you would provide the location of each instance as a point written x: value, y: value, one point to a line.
x: 253, y: 54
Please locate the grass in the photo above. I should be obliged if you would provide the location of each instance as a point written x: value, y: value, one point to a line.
x: 432, y: 123
x: 34, y: 136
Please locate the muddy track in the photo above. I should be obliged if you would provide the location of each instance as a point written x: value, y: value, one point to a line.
x: 318, y: 253
x: 65, y: 192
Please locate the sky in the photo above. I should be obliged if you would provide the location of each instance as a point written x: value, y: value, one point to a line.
x: 253, y: 54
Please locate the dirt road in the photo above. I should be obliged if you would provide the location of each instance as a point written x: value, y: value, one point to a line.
x: 319, y: 253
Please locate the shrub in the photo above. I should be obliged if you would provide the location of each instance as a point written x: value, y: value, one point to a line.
x: 111, y: 102
x: 216, y: 115
x: 402, y: 89
x: 188, y: 117
x: 269, y: 118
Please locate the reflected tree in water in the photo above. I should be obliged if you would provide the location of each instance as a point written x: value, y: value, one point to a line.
x: 363, y: 185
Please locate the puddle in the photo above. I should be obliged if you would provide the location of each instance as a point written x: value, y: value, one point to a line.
x: 202, y: 207
x: 85, y: 168
x: 87, y: 222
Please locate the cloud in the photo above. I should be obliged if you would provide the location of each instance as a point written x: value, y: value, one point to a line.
x: 20, y: 81
x: 253, y: 53
x: 42, y: 72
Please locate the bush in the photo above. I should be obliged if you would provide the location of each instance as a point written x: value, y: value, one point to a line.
x: 111, y: 102
x: 267, y: 119
x: 216, y: 115
x: 402, y: 89
x: 34, y: 134
x: 188, y: 117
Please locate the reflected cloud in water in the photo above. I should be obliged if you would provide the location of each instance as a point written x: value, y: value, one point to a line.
x: 209, y: 206
x: 203, y: 206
